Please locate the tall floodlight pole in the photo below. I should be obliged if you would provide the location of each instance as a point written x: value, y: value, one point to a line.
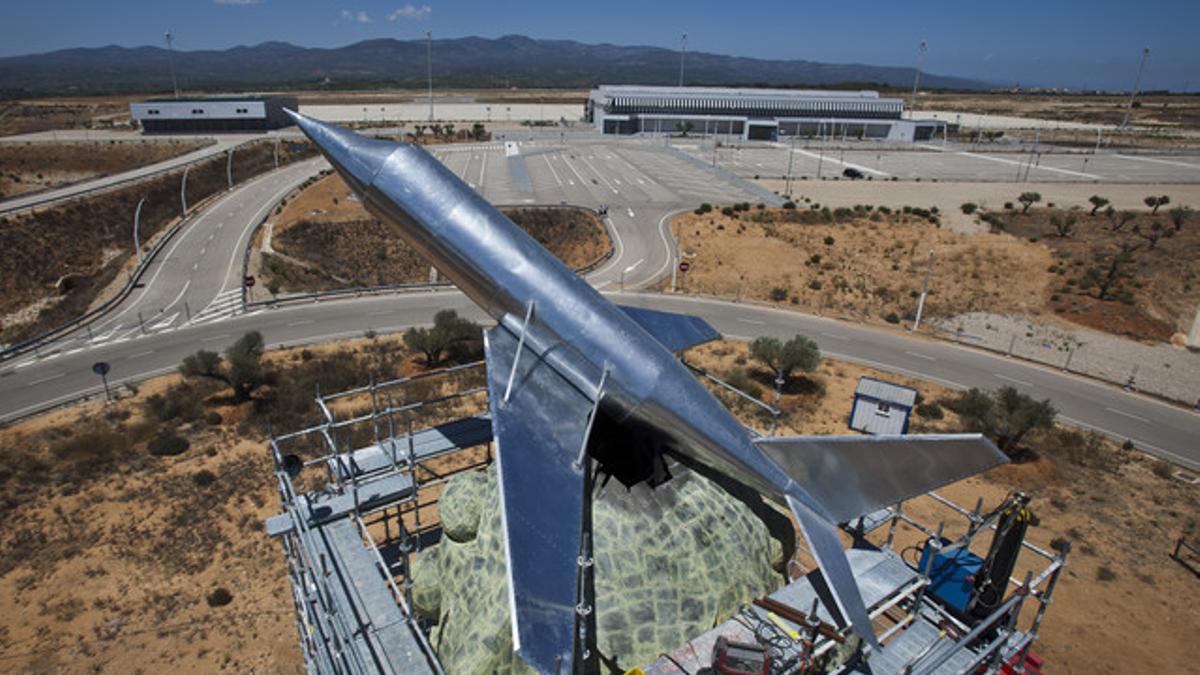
x: 229, y: 167
x: 1136, y: 83
x: 429, y: 67
x: 137, y: 216
x: 183, y: 190
x: 791, y: 158
x: 924, y: 290
x: 912, y: 102
x: 682, y: 56
x: 171, y: 64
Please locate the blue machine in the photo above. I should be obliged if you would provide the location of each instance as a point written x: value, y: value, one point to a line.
x: 952, y: 576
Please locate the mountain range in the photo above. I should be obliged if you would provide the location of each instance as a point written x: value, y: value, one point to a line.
x: 512, y: 60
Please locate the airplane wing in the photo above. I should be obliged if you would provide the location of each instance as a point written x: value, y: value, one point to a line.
x: 851, y: 476
x: 676, y: 332
x: 538, y: 432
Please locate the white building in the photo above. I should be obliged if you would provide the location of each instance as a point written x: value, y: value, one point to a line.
x: 881, y: 407
x: 754, y: 114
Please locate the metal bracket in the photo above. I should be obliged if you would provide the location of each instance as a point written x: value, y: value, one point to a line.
x: 587, y: 433
x: 512, y: 374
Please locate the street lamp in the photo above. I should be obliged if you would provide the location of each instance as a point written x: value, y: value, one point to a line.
x: 429, y: 66
x: 682, y: 54
x: 912, y: 103
x: 1136, y: 83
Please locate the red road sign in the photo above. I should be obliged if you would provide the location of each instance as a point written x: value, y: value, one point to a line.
x: 684, y: 265
x: 249, y: 280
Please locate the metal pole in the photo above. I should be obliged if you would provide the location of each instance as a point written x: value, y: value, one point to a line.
x: 276, y: 153
x: 682, y: 55
x: 1136, y: 83
x: 429, y: 66
x: 137, y: 214
x: 912, y: 102
x: 107, y: 394
x: 791, y: 159
x: 171, y: 64
x: 924, y: 290
x: 229, y: 168
x: 183, y: 189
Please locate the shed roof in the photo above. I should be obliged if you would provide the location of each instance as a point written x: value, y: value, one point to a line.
x: 886, y: 391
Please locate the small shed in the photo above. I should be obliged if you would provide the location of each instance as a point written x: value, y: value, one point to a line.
x: 881, y: 407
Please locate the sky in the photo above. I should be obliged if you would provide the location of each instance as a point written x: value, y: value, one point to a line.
x: 1076, y: 44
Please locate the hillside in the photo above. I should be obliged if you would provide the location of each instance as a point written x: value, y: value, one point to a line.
x: 511, y: 60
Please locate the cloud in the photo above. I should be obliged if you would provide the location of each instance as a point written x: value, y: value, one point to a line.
x: 354, y: 16
x: 411, y: 12
x: 238, y: 2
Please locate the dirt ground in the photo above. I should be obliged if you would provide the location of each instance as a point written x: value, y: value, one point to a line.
x: 108, y: 561
x: 32, y: 167
x: 867, y: 264
x: 1182, y: 112
x: 22, y: 117
x: 324, y: 239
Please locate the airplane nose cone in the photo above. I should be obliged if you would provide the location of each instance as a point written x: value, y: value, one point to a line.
x: 356, y: 157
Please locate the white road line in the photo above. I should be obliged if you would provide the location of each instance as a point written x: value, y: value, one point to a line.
x: 1159, y: 161
x: 634, y: 266
x: 599, y: 175
x: 46, y: 379
x: 602, y: 284
x: 165, y: 322
x: 922, y: 356
x: 483, y: 172
x: 753, y: 321
x: 1129, y: 415
x: 1024, y: 163
x: 302, y: 322
x: 630, y: 211
x: 214, y: 338
x: 180, y: 296
x: 1013, y: 380
x: 148, y: 352
x: 380, y: 312
x: 554, y: 173
x: 834, y: 336
x: 827, y: 158
x: 582, y: 180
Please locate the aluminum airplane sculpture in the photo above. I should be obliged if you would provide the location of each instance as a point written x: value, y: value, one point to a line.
x: 561, y: 357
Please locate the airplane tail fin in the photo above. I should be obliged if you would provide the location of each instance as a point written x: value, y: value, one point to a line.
x: 839, y: 478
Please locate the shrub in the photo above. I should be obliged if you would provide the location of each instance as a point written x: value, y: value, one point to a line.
x: 779, y: 294
x: 219, y: 597
x: 829, y: 241
x: 204, y: 478
x: 930, y: 411
x: 969, y: 208
x: 738, y: 378
x: 815, y: 284
x: 789, y: 205
x: 1105, y: 573
x: 213, y: 418
x: 892, y: 318
x: 167, y: 444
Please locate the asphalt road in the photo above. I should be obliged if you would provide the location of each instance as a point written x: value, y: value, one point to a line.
x: 641, y: 183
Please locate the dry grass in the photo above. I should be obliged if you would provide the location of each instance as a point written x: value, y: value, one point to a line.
x: 31, y: 167
x: 866, y: 264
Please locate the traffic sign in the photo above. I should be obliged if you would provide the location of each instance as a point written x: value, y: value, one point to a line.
x: 684, y: 265
x: 101, y: 368
x: 249, y: 280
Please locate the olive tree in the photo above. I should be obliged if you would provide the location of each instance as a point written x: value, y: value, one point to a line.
x: 1028, y: 199
x: 448, y: 330
x: 241, y: 369
x: 1005, y: 415
x: 783, y: 358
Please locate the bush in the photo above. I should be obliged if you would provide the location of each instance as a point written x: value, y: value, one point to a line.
x: 738, y: 378
x: 892, y: 318
x: 779, y: 294
x: 219, y: 597
x: 930, y: 411
x: 829, y: 241
x: 213, y: 419
x: 789, y: 205
x: 204, y: 478
x: 815, y: 284
x: 167, y: 444
x: 969, y: 208
x: 1105, y: 573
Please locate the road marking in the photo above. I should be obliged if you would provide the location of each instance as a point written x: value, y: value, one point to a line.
x: 554, y: 173
x: 1013, y: 379
x: 630, y: 211
x: 834, y: 336
x: 922, y: 356
x: 602, y: 284
x: 380, y: 312
x: 827, y: 158
x: 302, y: 322
x: 194, y: 266
x: 47, y: 379
x: 1129, y: 415
x: 1025, y: 163
x: 165, y: 322
x: 1159, y: 161
x: 180, y: 296
x: 483, y: 172
x: 753, y: 321
x: 214, y: 338
x: 148, y: 352
x: 634, y: 266
x: 599, y: 175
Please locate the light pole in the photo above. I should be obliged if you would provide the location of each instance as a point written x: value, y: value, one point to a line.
x: 791, y: 158
x: 1136, y: 83
x: 171, y: 65
x: 912, y: 103
x: 682, y: 55
x: 137, y: 216
x: 429, y: 68
x: 924, y: 290
x: 183, y: 189
x: 229, y: 167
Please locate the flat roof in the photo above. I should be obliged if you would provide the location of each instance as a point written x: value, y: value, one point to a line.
x: 214, y: 99
x: 645, y: 90
x: 886, y: 391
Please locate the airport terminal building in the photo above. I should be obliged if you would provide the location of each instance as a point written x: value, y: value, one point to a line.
x: 213, y: 115
x: 754, y: 114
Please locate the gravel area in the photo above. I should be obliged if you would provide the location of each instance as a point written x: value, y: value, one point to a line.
x: 1163, y: 370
